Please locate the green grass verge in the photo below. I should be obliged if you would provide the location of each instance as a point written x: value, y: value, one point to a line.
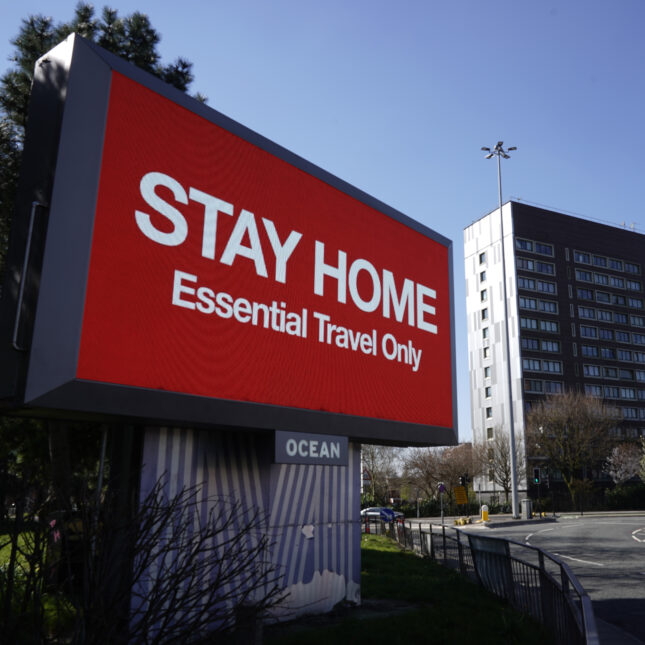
x: 449, y: 608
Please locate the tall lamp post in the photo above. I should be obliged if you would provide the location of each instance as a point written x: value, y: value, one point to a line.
x: 499, y: 152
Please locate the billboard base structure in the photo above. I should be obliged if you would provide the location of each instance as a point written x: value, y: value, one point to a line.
x: 309, y: 513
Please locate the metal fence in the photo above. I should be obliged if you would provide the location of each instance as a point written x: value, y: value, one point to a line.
x: 530, y: 579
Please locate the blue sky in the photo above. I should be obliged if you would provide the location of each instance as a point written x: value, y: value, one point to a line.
x: 397, y: 98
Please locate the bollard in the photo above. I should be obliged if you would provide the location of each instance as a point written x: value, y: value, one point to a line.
x: 484, y: 513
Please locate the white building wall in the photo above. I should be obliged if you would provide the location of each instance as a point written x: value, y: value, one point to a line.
x: 485, y: 236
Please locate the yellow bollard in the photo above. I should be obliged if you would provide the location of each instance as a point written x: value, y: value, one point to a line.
x: 484, y: 513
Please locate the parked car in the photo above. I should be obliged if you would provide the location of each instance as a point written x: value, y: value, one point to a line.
x: 381, y: 513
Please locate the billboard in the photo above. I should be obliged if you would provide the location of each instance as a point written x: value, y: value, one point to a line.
x: 196, y: 272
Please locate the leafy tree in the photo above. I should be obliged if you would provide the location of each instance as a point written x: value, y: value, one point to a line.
x: 132, y: 37
x: 572, y: 432
x: 493, y: 459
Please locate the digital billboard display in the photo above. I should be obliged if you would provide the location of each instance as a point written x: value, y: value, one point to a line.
x: 218, y: 276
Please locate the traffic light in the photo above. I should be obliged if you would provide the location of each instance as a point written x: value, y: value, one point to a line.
x: 536, y: 475
x: 461, y: 481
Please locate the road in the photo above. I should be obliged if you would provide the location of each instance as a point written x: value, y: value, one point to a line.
x: 607, y: 555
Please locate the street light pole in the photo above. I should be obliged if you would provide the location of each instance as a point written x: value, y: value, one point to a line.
x: 499, y: 152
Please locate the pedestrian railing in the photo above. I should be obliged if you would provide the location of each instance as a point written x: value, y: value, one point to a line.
x: 530, y: 579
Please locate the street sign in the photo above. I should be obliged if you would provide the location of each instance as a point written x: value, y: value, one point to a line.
x: 461, y: 495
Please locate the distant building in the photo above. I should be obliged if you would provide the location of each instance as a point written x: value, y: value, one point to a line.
x: 576, y: 317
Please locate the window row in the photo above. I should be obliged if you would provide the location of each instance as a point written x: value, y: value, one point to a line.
x: 540, y: 344
x: 605, y: 280
x: 609, y: 298
x: 537, y: 266
x: 583, y: 257
x: 543, y: 286
x: 604, y: 315
x: 534, y: 247
x: 606, y: 333
x: 615, y: 392
x: 612, y: 353
x: 551, y: 326
x: 542, y: 365
x: 601, y: 371
x: 534, y: 304
x: 543, y: 387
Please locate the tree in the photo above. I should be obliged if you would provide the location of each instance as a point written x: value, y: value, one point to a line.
x: 572, y: 432
x: 380, y: 464
x: 132, y: 37
x: 623, y: 463
x: 494, y: 460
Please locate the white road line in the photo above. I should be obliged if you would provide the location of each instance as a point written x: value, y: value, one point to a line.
x: 568, y: 557
x: 639, y: 539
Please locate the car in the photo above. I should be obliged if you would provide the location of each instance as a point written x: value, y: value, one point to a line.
x: 381, y: 513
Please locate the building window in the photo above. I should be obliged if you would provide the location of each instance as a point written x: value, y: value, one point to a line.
x: 549, y: 307
x: 630, y: 267
x: 602, y: 296
x: 584, y: 276
x: 591, y: 370
x: 615, y: 264
x: 633, y: 285
x: 586, y: 312
x: 525, y: 283
x: 599, y: 261
x: 525, y: 264
x: 637, y: 321
x: 531, y: 364
x: 483, y: 295
x: 588, y: 332
x: 531, y: 385
x: 620, y: 318
x: 482, y: 257
x: 528, y: 303
x: 610, y: 372
x: 545, y: 267
x: 601, y: 278
x: 544, y: 249
x: 485, y: 333
x: 640, y: 375
x: 615, y: 281
x: 489, y: 413
x: 482, y: 276
x: 624, y: 355
x: 546, y: 287
x: 524, y: 245
x: 489, y: 433
x: 530, y: 343
x: 553, y: 387
x: 488, y: 392
x: 604, y: 334
x: 589, y: 351
x: 610, y: 392
x: 622, y: 336
x: 639, y: 357
x: 584, y: 294
x: 635, y: 303
x: 528, y: 323
x: 638, y: 339
x: 630, y: 413
x: 604, y: 315
x: 487, y: 372
x: 593, y: 390
x: 618, y: 300
x: 579, y: 256
x: 550, y: 326
x: 555, y: 367
x: 627, y: 393
x: 486, y: 352
x: 608, y: 353
x: 485, y: 313
x: 550, y: 345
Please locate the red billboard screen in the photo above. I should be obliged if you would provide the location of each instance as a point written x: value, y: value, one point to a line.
x: 190, y: 262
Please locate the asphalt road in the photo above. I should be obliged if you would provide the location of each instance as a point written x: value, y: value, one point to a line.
x: 607, y: 555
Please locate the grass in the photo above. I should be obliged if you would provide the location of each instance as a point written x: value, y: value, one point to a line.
x: 447, y: 608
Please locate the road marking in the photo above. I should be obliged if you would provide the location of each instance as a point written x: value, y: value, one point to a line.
x: 530, y: 535
x: 642, y: 536
x: 568, y: 557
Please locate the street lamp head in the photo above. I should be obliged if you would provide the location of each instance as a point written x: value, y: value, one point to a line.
x: 512, y: 148
x: 488, y: 156
x: 498, y: 145
x: 485, y: 149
